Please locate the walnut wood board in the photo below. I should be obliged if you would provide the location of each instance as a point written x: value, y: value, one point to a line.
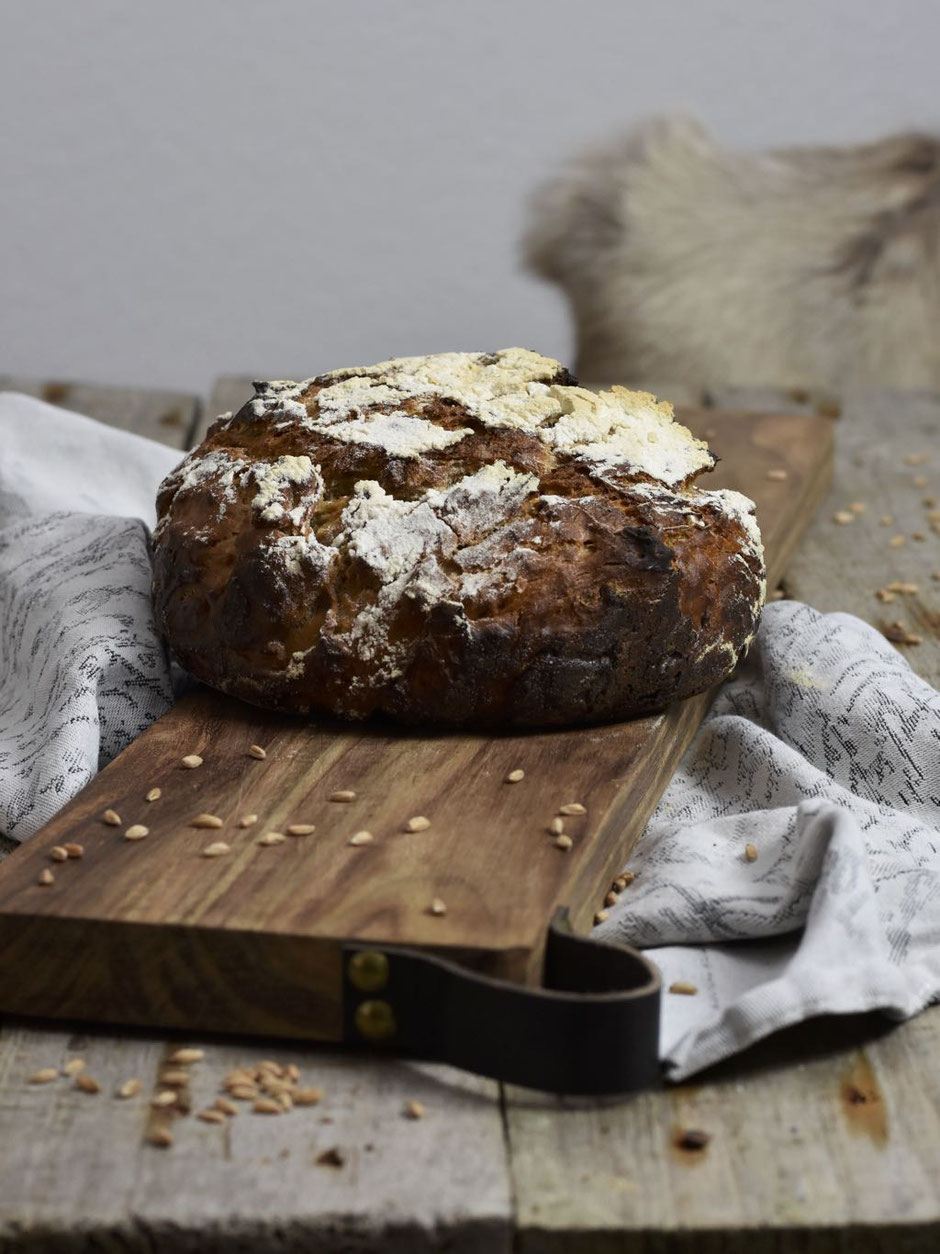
x: 152, y: 932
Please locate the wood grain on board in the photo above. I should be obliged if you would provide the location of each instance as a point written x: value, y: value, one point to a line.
x: 152, y: 931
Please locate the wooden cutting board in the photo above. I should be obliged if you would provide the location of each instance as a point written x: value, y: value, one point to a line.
x: 152, y: 932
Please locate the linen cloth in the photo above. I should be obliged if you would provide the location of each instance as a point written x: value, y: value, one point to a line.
x: 823, y: 752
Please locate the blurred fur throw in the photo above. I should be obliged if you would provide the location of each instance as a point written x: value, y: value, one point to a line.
x: 815, y: 268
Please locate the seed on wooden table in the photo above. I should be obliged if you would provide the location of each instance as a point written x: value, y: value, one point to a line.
x: 437, y: 906
x: 136, y: 831
x: 206, y: 820
x: 191, y: 761
x: 44, y: 1076
x: 843, y: 517
x: 611, y: 899
x: 161, y: 1137
x: 343, y: 794
x: 173, y: 1078
x: 155, y: 794
x: 225, y: 1106
x: 45, y: 878
x: 187, y: 1054
x: 750, y: 852
x: 778, y: 474
x: 301, y: 829
x: 112, y: 818
x: 74, y: 1066
x: 284, y: 1097
x: 130, y: 1088
x: 557, y: 826
x: 216, y: 850
x: 248, y: 820
x: 166, y: 1098
x: 573, y: 807
x: 210, y: 1115
x: 858, y: 507
x: 515, y: 776
x: 600, y: 917
x: 271, y: 838
x: 563, y: 842
x: 683, y: 986
x: 255, y: 751
x: 307, y: 1097
x: 243, y: 1092
x: 58, y: 853
x: 267, y: 1106
x: 74, y: 850
x: 897, y: 541
x: 414, y: 1110
x: 361, y: 838
x: 86, y: 1083
x: 292, y: 1071
x: 418, y: 824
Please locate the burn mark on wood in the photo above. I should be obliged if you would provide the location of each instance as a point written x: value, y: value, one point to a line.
x: 862, y: 1101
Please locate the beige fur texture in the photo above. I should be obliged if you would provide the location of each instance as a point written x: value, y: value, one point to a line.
x: 815, y: 268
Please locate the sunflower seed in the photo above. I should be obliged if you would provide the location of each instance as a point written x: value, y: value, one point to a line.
x: 600, y: 917
x: 777, y: 474
x: 750, y: 852
x: 563, y: 842
x: 161, y: 1137
x: 437, y: 907
x: 45, y: 878
x: 683, y: 986
x: 361, y: 838
x: 206, y: 820
x: 58, y: 853
x: 244, y: 1092
x: 87, y: 1084
x: 210, y: 1115
x: 247, y: 820
x: 271, y: 838
x: 44, y: 1076
x: 267, y: 1106
x: 217, y: 849
x: 557, y: 826
x: 414, y: 1110
x: 155, y: 794
x: 343, y: 794
x: 255, y: 751
x: 307, y: 1097
x: 418, y: 824
x: 112, y: 818
x: 74, y: 850
x: 226, y: 1107
x: 573, y: 807
x: 174, y: 1077
x: 843, y: 517
x: 136, y: 831
x: 301, y: 829
x: 611, y: 899
x: 515, y: 776
x: 165, y: 1098
x: 74, y: 1066
x: 130, y: 1088
x: 187, y: 1054
x: 191, y: 761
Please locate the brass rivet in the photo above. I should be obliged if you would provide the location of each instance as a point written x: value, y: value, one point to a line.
x: 375, y: 1020
x: 368, y: 970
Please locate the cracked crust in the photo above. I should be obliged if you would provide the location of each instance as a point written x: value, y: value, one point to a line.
x: 466, y: 540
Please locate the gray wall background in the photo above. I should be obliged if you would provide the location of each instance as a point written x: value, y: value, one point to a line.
x: 193, y: 187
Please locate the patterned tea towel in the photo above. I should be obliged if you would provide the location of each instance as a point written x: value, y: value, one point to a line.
x: 823, y: 753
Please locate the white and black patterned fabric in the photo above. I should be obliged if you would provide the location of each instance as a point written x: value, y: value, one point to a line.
x: 823, y: 752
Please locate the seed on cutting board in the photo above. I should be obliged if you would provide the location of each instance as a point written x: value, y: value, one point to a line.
x: 58, y: 853
x: 843, y: 517
x: 248, y: 820
x: 74, y: 850
x: 683, y: 986
x: 225, y: 1106
x: 572, y: 807
x: 414, y: 1110
x: 165, y: 1098
x: 343, y: 794
x: 161, y: 1137
x: 777, y: 474
x: 563, y: 842
x: 187, y: 1054
x: 437, y: 906
x: 130, y: 1088
x: 87, y: 1083
x: 271, y: 838
x: 210, y: 1115
x: 44, y: 1076
x: 112, y: 818
x: 74, y: 1066
x: 417, y: 824
x: 557, y: 826
x: 361, y: 838
x: 301, y: 829
x: 750, y: 852
x: 255, y: 751
x: 174, y: 1077
x: 191, y: 761
x: 45, y: 878
x: 515, y: 776
x: 307, y: 1097
x: 217, y: 849
x: 136, y: 831
x: 267, y: 1106
x: 600, y: 917
x: 155, y: 794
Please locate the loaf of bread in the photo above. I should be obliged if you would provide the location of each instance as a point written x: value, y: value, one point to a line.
x: 461, y: 539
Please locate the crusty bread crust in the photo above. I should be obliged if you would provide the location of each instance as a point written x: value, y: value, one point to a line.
x: 468, y: 539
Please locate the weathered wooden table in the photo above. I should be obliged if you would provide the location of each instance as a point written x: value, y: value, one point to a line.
x: 824, y: 1138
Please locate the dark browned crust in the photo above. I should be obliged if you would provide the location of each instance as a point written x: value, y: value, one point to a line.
x: 623, y: 604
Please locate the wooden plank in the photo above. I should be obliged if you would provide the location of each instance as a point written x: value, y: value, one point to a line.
x: 168, y: 417
x: 175, y: 933
x: 822, y: 1139
x: 77, y: 1172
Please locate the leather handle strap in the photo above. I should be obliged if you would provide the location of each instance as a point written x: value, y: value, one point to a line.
x: 593, y: 1028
